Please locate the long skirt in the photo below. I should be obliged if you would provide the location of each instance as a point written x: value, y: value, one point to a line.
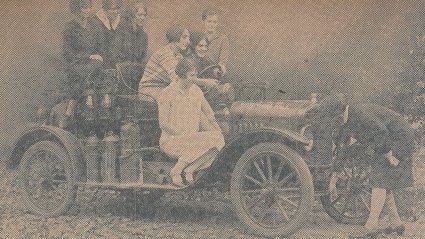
x: 384, y: 175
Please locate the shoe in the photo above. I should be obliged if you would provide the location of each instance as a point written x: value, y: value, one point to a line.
x: 398, y: 229
x: 189, y: 177
x: 366, y: 234
x: 177, y: 180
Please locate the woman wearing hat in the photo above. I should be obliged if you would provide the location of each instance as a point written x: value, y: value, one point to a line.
x: 392, y: 140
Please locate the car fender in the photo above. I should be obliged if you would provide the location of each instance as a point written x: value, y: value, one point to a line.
x: 237, y: 145
x: 35, y: 134
x: 283, y: 134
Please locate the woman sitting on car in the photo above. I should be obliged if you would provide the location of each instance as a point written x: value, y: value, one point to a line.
x: 80, y: 59
x: 209, y: 72
x: 131, y: 44
x: 183, y: 116
x: 160, y: 69
x: 199, y: 48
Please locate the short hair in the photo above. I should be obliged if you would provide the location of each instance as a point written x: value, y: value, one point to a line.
x: 195, y: 38
x: 183, y: 67
x: 75, y: 6
x: 108, y: 4
x: 209, y: 12
x: 132, y: 9
x: 174, y: 33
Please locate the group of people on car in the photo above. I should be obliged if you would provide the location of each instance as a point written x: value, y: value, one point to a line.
x: 100, y: 41
x: 190, y: 132
x: 114, y: 36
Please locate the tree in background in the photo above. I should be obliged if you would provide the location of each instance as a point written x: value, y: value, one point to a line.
x: 409, y: 96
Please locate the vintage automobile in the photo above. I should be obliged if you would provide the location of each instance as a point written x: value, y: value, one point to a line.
x: 268, y: 164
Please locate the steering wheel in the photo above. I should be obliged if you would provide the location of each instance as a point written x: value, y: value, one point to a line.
x: 211, y: 71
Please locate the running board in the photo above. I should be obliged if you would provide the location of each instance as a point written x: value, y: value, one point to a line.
x: 135, y: 185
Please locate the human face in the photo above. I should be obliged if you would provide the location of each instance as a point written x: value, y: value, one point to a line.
x: 85, y: 9
x: 190, y: 79
x: 211, y: 23
x: 184, y: 40
x: 85, y: 12
x: 113, y: 12
x: 140, y: 16
x: 201, y: 48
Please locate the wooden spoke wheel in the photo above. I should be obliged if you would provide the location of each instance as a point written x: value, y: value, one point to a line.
x: 47, y: 180
x: 272, y: 190
x: 352, y: 204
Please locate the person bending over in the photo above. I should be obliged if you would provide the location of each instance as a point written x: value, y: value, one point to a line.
x: 392, y: 140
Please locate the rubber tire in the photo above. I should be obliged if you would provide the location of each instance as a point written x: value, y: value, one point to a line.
x: 307, y: 197
x: 60, y: 151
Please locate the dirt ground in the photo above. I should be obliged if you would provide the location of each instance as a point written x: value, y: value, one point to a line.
x: 110, y: 215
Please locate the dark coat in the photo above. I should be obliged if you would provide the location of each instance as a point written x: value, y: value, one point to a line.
x: 77, y: 44
x: 130, y: 44
x: 130, y: 49
x: 103, y: 41
x: 383, y: 130
x: 77, y: 48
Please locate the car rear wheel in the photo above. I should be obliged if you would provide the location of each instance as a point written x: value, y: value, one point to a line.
x: 47, y: 180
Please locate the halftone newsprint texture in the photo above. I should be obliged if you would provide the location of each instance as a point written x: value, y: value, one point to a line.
x: 284, y: 57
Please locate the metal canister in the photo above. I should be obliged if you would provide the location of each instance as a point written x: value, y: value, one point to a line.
x: 93, y: 158
x: 130, y: 137
x: 109, y: 158
x: 129, y: 158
